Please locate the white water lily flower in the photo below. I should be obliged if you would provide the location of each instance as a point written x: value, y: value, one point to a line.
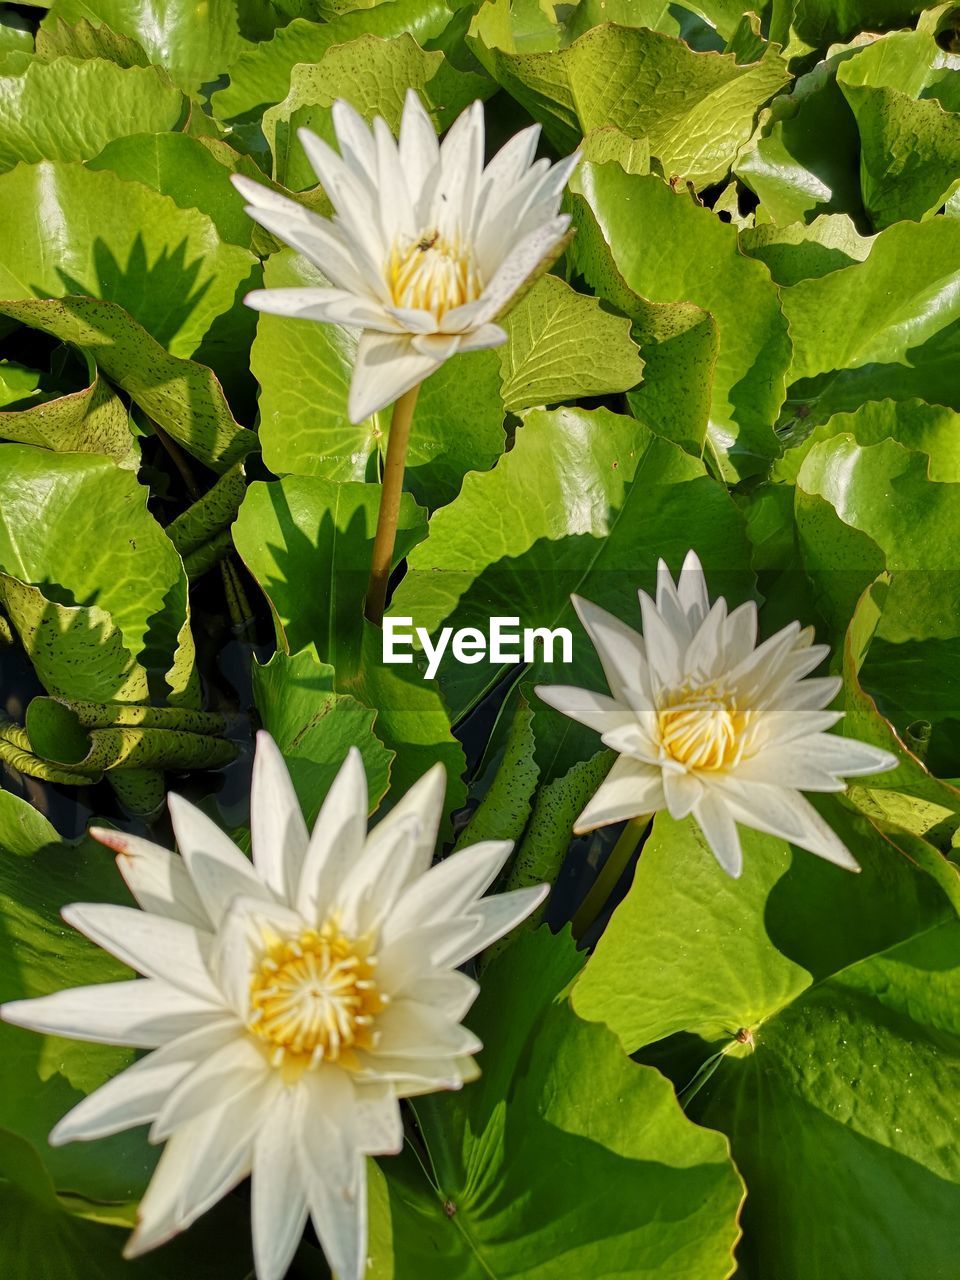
x: 708, y: 723
x: 426, y: 247
x: 288, y: 1003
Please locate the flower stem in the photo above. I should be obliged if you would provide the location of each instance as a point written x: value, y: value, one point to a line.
x: 609, y: 876
x: 390, y: 495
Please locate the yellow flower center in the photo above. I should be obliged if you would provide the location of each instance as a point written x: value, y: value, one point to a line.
x: 315, y: 997
x: 703, y: 728
x: 433, y: 274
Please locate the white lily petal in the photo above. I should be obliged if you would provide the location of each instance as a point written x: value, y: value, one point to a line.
x: 218, y: 869
x: 496, y: 917
x: 375, y: 881
x: 157, y: 878
x: 448, y: 887
x: 411, y: 1029
x: 337, y: 839
x: 278, y: 833
x: 720, y: 830
x: 595, y: 710
x: 140, y: 1014
x: 521, y: 262
x: 356, y: 141
x: 154, y: 946
x: 332, y: 1166
x: 621, y: 650
x: 386, y: 367
x: 630, y: 790
x: 424, y: 801
x: 278, y: 1200
x: 418, y: 146
x: 135, y: 1096
x: 681, y: 791
x: 233, y: 1070
x: 379, y: 1122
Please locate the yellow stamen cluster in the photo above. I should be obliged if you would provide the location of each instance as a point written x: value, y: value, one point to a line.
x: 314, y: 996
x: 433, y: 274
x: 703, y: 728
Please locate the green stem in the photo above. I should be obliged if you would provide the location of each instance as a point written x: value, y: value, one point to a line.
x: 390, y: 494
x: 609, y: 877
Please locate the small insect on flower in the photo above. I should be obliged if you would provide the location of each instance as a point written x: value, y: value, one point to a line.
x: 288, y: 1003
x: 710, y: 724
x: 426, y: 248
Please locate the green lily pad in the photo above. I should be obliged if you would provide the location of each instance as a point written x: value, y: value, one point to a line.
x: 314, y: 726
x: 91, y: 420
x: 613, y: 75
x: 193, y: 52
x: 909, y: 141
x: 373, y: 75
x: 753, y: 354
x: 55, y: 111
x: 76, y: 527
x: 182, y: 396
x: 260, y: 77
x: 302, y: 529
x: 562, y: 346
x: 121, y: 242
x: 882, y: 328
x: 803, y: 960
x: 563, y: 1159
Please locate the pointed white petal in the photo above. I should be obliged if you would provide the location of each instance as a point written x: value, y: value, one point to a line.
x: 218, y: 869
x: 337, y: 839
x: 136, y: 1095
x: 451, y: 994
x: 278, y: 1200
x: 784, y: 813
x: 386, y: 367
x: 461, y: 163
x: 156, y: 877
x: 424, y: 801
x: 630, y: 790
x: 692, y: 589
x: 406, y: 960
x: 595, y: 710
x: 411, y: 1029
x: 419, y: 150
x: 448, y: 887
x: 682, y: 792
x: 331, y: 306
x: 200, y: 1164
x: 438, y: 346
x: 411, y: 1076
x: 378, y: 877
x: 355, y: 139
x: 334, y: 1171
x: 664, y: 649
x: 154, y: 946
x: 854, y: 759
x: 497, y: 916
x: 621, y: 650
x: 226, y: 1156
x: 488, y: 335
x: 740, y: 633
x: 396, y: 206
x: 278, y: 833
x: 232, y: 1071
x: 520, y: 263
x: 141, y: 1014
x: 720, y: 830
x: 379, y: 1123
